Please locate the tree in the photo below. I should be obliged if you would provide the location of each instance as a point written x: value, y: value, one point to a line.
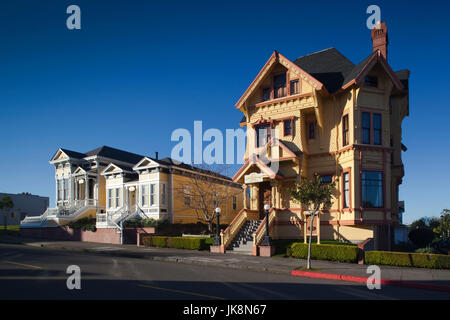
x: 6, y: 204
x: 206, y: 190
x: 312, y: 194
x: 421, y: 237
x: 443, y: 229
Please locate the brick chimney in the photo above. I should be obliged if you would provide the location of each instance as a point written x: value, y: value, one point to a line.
x: 380, y: 38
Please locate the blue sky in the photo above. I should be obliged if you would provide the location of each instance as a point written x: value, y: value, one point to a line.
x: 137, y: 70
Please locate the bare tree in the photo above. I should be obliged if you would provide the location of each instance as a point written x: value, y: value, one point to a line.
x: 205, y: 189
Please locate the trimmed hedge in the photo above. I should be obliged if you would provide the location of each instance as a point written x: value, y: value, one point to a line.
x: 155, y: 241
x: 190, y: 243
x: 332, y: 252
x: 407, y: 259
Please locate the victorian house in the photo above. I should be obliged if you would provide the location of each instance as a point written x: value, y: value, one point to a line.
x: 321, y: 114
x: 113, y: 185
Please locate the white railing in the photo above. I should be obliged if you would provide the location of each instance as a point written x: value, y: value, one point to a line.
x: 101, y: 218
x: 261, y: 231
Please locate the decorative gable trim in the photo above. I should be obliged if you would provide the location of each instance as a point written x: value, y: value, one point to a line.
x: 57, y: 155
x: 146, y: 163
x: 277, y: 57
x: 377, y: 58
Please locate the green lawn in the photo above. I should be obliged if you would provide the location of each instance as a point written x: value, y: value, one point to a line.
x: 13, y: 229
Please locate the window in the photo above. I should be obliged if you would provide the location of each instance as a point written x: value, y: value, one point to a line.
x: 144, y: 195
x: 371, y: 128
x: 311, y: 130
x: 287, y: 127
x: 117, y: 202
x: 326, y: 178
x: 65, y: 189
x: 265, y: 94
x: 345, y: 137
x: 372, y: 189
x: 234, y: 202
x: 59, y: 189
x: 366, y: 127
x: 263, y: 134
x: 279, y: 85
x: 294, y: 87
x: 153, y: 194
x: 376, y: 119
x: 163, y: 193
x: 346, y: 180
x: 371, y: 81
x: 110, y: 198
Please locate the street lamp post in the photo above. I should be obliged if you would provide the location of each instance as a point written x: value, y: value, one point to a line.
x: 266, y: 241
x: 217, y: 239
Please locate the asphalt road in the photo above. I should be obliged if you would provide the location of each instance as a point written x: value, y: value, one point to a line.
x: 40, y: 273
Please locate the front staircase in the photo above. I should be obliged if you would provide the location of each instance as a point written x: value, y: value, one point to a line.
x: 243, y: 241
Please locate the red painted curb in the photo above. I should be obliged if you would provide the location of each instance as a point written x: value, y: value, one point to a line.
x: 343, y: 277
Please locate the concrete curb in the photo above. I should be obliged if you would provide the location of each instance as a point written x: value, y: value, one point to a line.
x: 342, y: 277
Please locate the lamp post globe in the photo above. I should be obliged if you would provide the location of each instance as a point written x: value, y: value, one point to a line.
x: 266, y: 241
x: 217, y: 238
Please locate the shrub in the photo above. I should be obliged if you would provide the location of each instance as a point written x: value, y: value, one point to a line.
x: 146, y: 222
x: 84, y: 224
x: 190, y: 243
x: 403, y: 259
x: 426, y: 250
x: 332, y: 252
x: 421, y: 237
x: 155, y: 241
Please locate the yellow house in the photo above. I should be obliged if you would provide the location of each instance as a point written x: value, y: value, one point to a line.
x: 114, y: 185
x: 321, y: 114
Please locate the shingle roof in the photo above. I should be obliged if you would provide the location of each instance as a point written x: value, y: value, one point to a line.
x: 73, y: 154
x: 358, y: 68
x: 329, y: 66
x: 115, y: 154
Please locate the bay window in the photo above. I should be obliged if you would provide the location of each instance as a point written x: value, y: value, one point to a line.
x: 144, y: 195
x: 346, y: 182
x: 371, y: 128
x: 372, y: 189
x: 153, y: 194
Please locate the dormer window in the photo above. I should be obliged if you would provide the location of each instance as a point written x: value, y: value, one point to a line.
x: 371, y: 81
x: 279, y: 85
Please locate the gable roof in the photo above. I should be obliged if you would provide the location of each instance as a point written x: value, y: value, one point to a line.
x: 73, y: 154
x: 329, y: 68
x: 274, y: 58
x: 115, y: 154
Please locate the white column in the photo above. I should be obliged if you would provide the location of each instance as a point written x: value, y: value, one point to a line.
x: 245, y: 195
x: 86, y: 188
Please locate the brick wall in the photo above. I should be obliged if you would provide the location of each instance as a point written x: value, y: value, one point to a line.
x: 103, y: 235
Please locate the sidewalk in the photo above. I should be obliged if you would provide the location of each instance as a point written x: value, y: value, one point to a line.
x: 349, y: 271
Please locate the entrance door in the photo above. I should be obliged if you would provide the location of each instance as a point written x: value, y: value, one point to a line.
x: 265, y: 197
